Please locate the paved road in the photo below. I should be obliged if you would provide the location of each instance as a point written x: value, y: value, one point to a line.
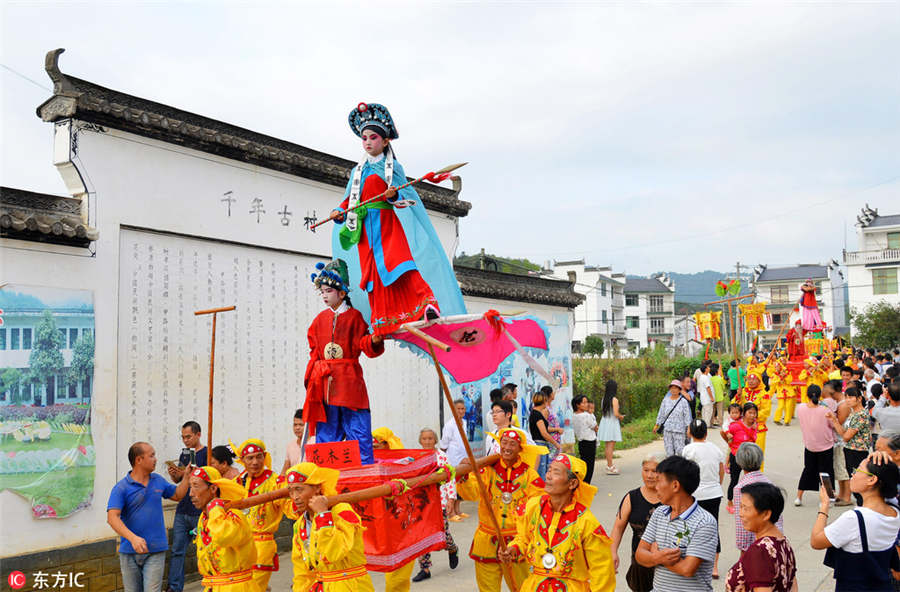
x: 784, y: 461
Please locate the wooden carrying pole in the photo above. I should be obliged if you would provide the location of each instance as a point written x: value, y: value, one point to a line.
x: 212, y: 367
x: 731, y: 321
x: 508, y: 574
x: 784, y: 325
x: 361, y: 495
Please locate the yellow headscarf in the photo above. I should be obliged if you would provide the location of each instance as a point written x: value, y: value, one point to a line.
x: 756, y: 371
x: 585, y: 492
x: 250, y: 446
x: 307, y: 472
x: 530, y: 452
x: 386, y: 435
x: 228, y: 489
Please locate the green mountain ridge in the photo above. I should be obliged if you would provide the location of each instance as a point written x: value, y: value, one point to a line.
x: 698, y: 287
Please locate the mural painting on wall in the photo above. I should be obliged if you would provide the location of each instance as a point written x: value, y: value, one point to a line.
x: 514, y: 369
x: 46, y: 382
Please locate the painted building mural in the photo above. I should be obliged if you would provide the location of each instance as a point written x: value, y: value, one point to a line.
x: 46, y: 380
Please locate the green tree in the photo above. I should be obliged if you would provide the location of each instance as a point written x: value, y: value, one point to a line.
x: 83, y: 358
x: 9, y: 380
x: 878, y: 325
x: 46, y: 359
x: 593, y: 346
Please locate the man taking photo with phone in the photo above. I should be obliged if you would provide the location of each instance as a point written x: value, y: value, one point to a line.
x: 186, y: 515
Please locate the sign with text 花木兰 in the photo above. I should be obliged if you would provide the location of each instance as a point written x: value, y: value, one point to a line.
x: 334, y: 455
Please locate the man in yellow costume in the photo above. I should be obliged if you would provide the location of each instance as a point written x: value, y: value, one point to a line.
x: 328, y: 552
x: 258, y: 478
x: 399, y: 579
x: 225, y: 550
x: 781, y: 383
x: 817, y: 373
x: 757, y: 394
x: 561, y: 540
x: 510, y: 483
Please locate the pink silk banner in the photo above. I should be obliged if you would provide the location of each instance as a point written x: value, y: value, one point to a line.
x: 478, y: 346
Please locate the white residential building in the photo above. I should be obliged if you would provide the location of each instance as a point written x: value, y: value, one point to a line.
x: 649, y: 310
x: 603, y: 310
x: 872, y: 270
x: 684, y: 339
x: 779, y: 288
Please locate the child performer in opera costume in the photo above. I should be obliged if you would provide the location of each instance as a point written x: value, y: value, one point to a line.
x: 337, y: 402
x: 393, y: 252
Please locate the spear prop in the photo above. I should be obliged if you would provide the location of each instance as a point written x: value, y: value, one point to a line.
x: 434, y: 177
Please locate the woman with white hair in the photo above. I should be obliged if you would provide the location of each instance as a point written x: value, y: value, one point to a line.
x: 635, y: 510
x: 749, y: 458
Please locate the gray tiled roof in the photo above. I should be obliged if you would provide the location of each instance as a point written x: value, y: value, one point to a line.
x: 645, y: 285
x: 86, y: 101
x: 892, y: 220
x: 797, y: 272
x: 516, y: 288
x: 27, y: 215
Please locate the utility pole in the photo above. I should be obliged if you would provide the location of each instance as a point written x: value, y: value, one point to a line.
x: 735, y: 320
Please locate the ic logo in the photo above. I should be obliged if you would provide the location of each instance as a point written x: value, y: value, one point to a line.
x: 16, y: 580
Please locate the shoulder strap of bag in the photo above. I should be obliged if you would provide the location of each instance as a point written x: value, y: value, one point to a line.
x: 680, y: 399
x: 862, y: 531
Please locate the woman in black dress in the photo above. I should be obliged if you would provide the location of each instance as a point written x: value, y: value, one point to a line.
x: 635, y: 510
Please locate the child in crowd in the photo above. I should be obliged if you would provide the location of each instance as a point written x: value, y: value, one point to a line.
x: 734, y: 414
x: 428, y: 440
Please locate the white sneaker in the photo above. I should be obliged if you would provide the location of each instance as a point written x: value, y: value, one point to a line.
x: 797, y: 502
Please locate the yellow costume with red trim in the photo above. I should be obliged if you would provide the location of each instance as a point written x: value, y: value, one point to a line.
x: 762, y: 398
x: 225, y: 550
x: 327, y: 551
x: 581, y: 550
x: 264, y: 518
x: 509, y: 489
x: 787, y: 393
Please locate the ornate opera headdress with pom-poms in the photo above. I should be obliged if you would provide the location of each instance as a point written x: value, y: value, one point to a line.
x: 373, y: 115
x: 333, y: 274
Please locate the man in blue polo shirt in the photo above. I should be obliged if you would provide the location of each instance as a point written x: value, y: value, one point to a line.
x: 680, y: 538
x: 135, y: 512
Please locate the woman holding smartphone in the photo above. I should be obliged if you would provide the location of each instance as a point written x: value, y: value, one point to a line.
x: 818, y: 442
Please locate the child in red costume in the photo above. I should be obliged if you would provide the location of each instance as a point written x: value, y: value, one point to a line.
x: 337, y: 402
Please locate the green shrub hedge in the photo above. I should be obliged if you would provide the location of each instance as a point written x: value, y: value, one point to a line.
x: 642, y: 381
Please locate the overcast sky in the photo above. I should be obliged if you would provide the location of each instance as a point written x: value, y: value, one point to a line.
x: 648, y: 137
